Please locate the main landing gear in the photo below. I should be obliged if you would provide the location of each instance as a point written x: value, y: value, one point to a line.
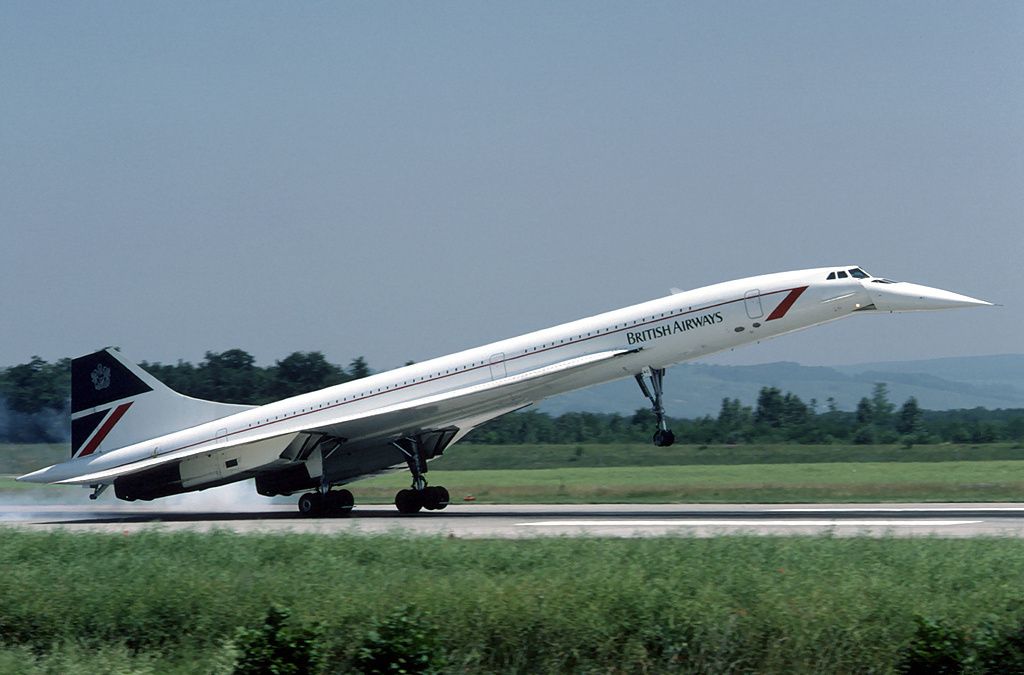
x: 420, y: 495
x: 325, y: 501
x: 663, y: 437
x: 429, y: 497
x: 322, y: 501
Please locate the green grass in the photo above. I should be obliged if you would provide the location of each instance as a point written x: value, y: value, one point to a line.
x: 18, y: 459
x: 641, y: 473
x: 465, y: 457
x: 11, y: 486
x: 167, y: 602
x: 772, y: 483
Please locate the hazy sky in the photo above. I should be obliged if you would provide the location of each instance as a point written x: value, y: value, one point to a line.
x: 402, y: 180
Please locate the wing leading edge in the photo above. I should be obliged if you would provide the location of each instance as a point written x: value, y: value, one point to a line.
x: 390, y: 422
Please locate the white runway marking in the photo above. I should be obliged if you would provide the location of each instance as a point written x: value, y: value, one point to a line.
x: 748, y: 523
x: 900, y: 509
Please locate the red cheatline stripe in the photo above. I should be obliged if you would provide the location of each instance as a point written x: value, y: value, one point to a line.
x: 108, y: 424
x: 786, y: 303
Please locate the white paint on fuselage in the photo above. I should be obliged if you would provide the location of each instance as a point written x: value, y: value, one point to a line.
x: 602, y: 332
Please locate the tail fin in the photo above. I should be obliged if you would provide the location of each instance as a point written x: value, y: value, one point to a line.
x: 115, y: 403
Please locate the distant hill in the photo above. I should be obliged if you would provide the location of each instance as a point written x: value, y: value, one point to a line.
x: 695, y: 389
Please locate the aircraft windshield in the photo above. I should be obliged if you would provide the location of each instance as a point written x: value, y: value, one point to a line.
x: 856, y: 273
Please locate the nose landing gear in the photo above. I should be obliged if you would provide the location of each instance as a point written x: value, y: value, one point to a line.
x: 663, y: 437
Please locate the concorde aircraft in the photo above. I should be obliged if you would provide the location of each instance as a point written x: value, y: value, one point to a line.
x: 133, y: 432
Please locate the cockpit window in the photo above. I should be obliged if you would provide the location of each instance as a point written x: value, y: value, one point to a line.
x: 858, y: 273
x: 842, y: 275
x: 831, y: 275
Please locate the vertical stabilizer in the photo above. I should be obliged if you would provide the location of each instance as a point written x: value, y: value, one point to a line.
x: 115, y: 403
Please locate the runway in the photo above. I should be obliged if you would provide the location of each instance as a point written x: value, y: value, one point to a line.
x: 544, y: 520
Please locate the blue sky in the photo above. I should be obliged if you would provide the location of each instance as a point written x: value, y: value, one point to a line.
x: 408, y: 179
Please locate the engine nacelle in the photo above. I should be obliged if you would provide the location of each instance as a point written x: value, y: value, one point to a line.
x: 286, y: 481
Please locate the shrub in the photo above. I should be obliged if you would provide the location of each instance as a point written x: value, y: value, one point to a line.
x: 276, y: 647
x: 1000, y: 651
x: 401, y: 642
x: 940, y: 647
x: 864, y: 435
x: 937, y: 648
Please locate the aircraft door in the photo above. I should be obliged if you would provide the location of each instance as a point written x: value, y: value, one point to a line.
x: 498, y: 366
x: 752, y: 301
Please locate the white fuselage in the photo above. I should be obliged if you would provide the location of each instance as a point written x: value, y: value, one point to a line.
x: 650, y: 335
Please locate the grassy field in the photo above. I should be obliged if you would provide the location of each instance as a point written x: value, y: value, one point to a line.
x: 18, y: 459
x: 597, y: 473
x: 469, y: 457
x: 772, y: 483
x: 182, y: 602
x: 174, y: 602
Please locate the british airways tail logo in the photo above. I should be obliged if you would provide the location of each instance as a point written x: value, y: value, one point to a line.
x: 101, y: 377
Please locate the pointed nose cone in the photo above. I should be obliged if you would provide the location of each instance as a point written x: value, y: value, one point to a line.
x: 906, y: 297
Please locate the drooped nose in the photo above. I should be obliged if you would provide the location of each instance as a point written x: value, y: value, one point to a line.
x: 902, y: 296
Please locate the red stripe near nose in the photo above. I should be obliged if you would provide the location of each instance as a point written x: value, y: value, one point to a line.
x: 786, y: 303
x: 108, y: 424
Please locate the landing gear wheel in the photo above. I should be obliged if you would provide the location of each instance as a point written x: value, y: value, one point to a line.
x: 340, y: 501
x: 664, y: 438
x: 435, y: 498
x: 408, y: 501
x: 311, y: 504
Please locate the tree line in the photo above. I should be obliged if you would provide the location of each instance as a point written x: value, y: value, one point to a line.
x: 234, y: 377
x: 36, y: 408
x: 35, y: 405
x: 231, y: 376
x: 776, y: 417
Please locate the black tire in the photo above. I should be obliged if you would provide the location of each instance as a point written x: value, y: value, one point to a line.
x: 429, y: 496
x: 311, y: 504
x: 340, y: 501
x: 435, y: 498
x: 663, y: 439
x: 408, y: 501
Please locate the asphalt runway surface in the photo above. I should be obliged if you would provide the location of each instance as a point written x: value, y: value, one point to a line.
x: 538, y: 520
